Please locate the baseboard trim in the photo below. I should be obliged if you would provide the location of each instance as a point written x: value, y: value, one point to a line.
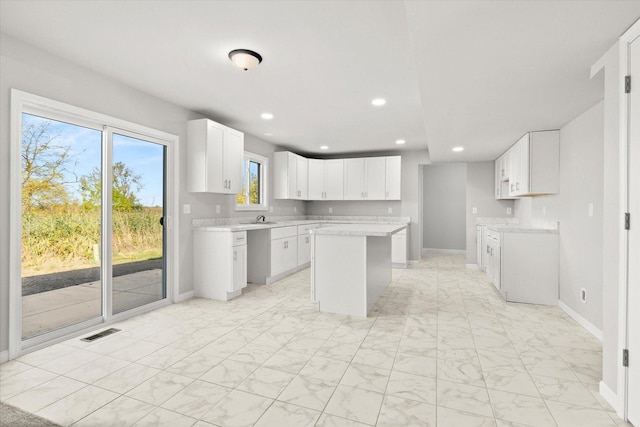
x: 449, y: 251
x: 4, y: 356
x: 610, y: 397
x: 581, y: 320
x: 473, y: 267
x: 183, y: 297
x: 413, y: 261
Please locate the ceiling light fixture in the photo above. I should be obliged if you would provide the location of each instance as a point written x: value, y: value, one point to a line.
x: 457, y: 149
x: 378, y: 102
x: 400, y: 141
x: 324, y: 147
x: 245, y: 58
x: 266, y: 116
x: 268, y: 134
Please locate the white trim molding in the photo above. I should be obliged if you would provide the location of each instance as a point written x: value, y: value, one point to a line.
x: 610, y: 396
x: 581, y: 320
x: 4, y: 356
x: 183, y: 297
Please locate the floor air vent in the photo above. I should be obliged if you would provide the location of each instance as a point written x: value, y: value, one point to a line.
x: 104, y: 333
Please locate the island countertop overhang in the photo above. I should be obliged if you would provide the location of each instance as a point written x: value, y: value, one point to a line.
x: 379, y: 230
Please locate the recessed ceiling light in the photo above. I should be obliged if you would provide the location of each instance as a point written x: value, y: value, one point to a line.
x: 266, y: 116
x: 268, y: 134
x: 458, y: 149
x: 324, y: 147
x: 400, y: 141
x: 378, y: 102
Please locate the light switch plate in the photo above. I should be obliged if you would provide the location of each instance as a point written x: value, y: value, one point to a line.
x: 590, y: 209
x: 474, y: 210
x: 186, y: 209
x: 508, y: 211
x: 390, y: 210
x: 270, y: 208
x: 217, y: 208
x: 295, y: 209
x: 330, y: 210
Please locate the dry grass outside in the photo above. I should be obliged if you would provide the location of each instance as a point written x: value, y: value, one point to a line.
x: 54, y: 241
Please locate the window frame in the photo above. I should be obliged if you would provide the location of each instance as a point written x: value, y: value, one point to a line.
x: 263, y: 180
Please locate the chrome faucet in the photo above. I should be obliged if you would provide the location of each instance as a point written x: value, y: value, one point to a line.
x: 261, y: 218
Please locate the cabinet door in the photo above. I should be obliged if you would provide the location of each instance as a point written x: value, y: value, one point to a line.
x: 514, y: 169
x: 399, y: 248
x: 479, y: 246
x: 302, y: 166
x: 239, y: 278
x: 522, y: 186
x: 487, y: 259
x: 291, y: 253
x: 374, y: 182
x: 233, y: 155
x: 333, y: 179
x: 393, y: 177
x: 277, y: 256
x: 498, y: 176
x: 316, y: 179
x: 354, y: 175
x: 304, y: 249
x: 214, y: 164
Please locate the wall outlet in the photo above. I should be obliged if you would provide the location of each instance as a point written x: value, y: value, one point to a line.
x: 270, y: 208
x: 186, y: 209
x: 295, y: 209
x: 217, y: 208
x: 508, y: 211
x: 474, y: 210
x: 590, y: 209
x: 583, y: 295
x: 330, y: 210
x: 390, y: 210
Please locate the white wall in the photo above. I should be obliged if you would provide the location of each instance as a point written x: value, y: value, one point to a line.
x: 408, y: 206
x: 444, y: 190
x: 581, y: 183
x: 611, y: 215
x: 580, y: 242
x: 481, y: 195
x: 31, y: 70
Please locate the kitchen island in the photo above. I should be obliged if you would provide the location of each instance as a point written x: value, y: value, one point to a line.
x: 351, y: 266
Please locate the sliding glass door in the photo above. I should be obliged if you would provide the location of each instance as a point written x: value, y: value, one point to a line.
x: 137, y: 211
x: 93, y: 235
x: 61, y: 225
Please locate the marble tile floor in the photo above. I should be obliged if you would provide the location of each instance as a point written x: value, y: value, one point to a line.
x: 440, y: 348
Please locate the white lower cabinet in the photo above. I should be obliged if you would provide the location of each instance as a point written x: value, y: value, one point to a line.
x: 284, y: 249
x: 399, y: 249
x: 304, y: 243
x: 219, y: 264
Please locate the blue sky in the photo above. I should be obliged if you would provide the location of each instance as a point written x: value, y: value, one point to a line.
x: 144, y: 158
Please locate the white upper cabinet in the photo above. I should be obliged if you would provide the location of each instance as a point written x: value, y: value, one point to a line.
x: 334, y: 179
x: 365, y: 178
x: 325, y: 179
x: 393, y: 176
x: 290, y: 173
x: 214, y: 157
x: 530, y: 167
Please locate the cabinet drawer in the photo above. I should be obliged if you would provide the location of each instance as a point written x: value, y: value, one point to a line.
x: 282, y: 232
x: 239, y: 238
x: 304, y: 229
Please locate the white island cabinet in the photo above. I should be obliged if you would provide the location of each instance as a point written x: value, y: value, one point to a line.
x: 351, y: 266
x: 219, y: 264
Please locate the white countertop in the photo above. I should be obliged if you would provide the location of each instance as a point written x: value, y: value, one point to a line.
x: 502, y: 228
x: 360, y: 229
x: 213, y: 225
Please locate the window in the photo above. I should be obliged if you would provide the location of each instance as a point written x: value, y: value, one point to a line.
x: 254, y: 183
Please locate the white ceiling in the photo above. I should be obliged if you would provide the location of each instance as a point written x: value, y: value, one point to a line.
x: 472, y: 73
